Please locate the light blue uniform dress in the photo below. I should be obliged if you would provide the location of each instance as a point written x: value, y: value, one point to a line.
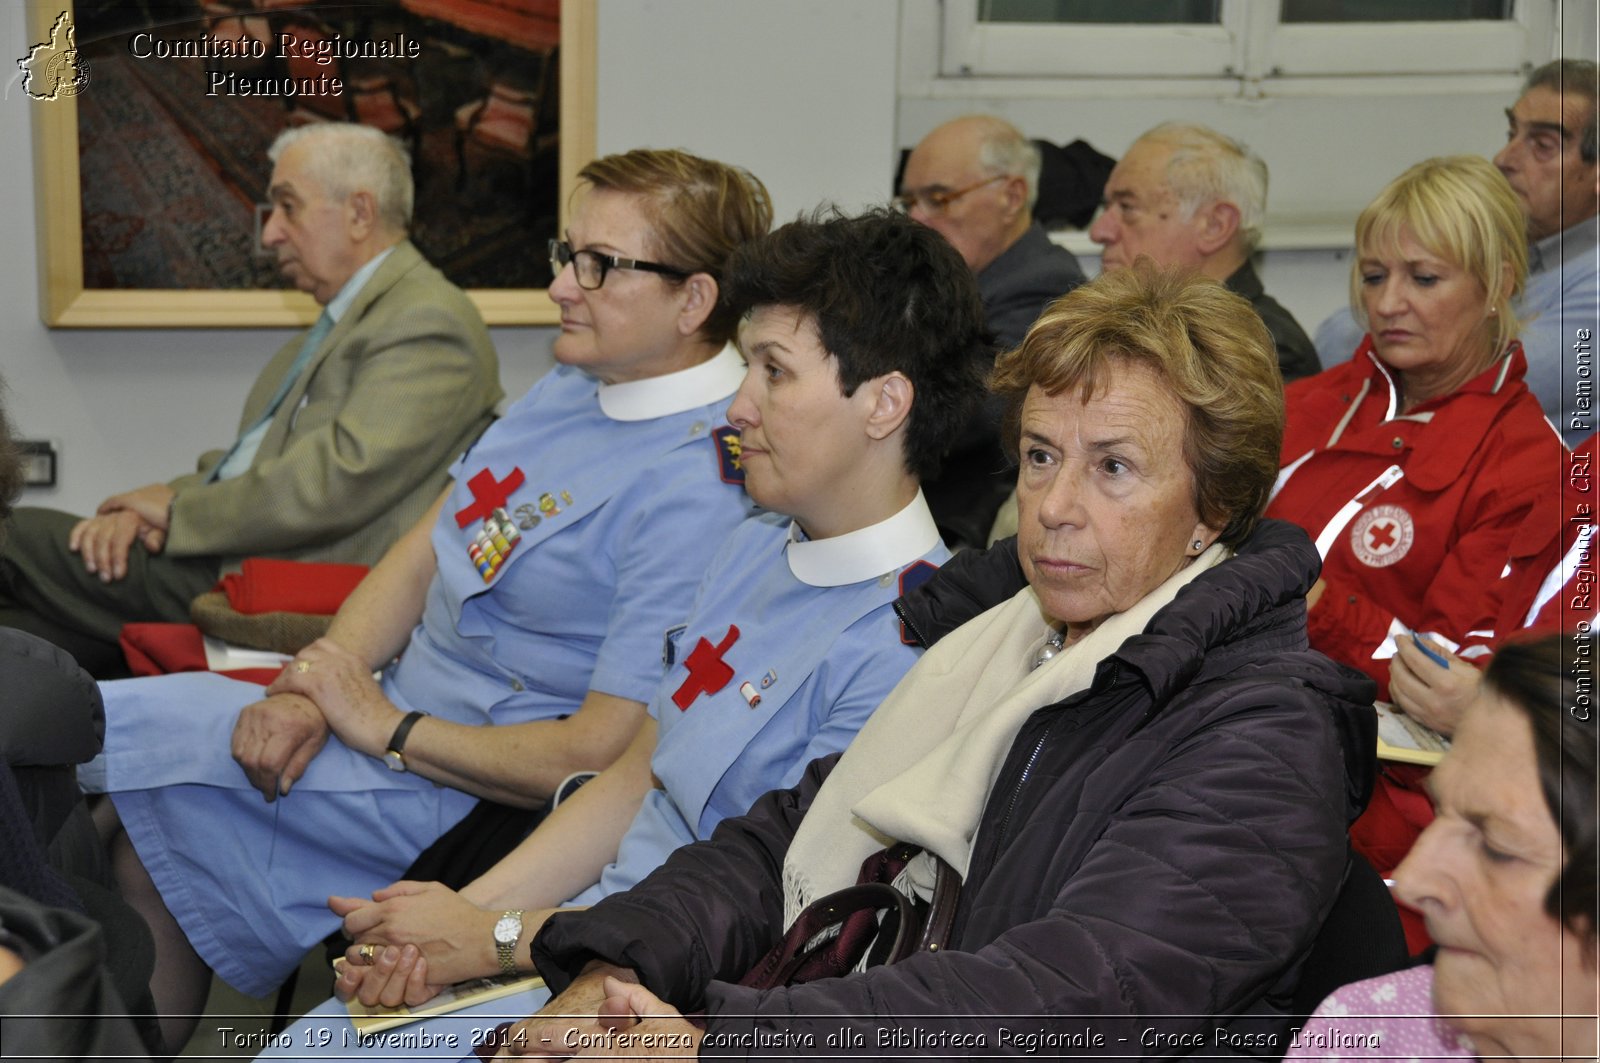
x: 804, y: 629
x: 621, y: 507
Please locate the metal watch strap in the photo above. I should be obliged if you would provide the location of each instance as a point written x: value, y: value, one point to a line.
x: 395, y: 752
x: 505, y: 949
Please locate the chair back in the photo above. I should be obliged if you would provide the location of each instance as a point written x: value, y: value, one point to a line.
x: 1361, y: 938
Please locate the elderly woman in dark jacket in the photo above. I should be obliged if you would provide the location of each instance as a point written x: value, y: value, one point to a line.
x: 1119, y: 749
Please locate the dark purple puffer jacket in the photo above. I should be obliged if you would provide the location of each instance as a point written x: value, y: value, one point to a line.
x: 1156, y: 855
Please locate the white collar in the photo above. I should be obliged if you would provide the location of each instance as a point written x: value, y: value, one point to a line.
x: 662, y: 396
x: 865, y: 553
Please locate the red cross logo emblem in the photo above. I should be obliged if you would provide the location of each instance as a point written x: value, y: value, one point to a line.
x: 1382, y: 535
x: 488, y: 495
x: 708, y: 673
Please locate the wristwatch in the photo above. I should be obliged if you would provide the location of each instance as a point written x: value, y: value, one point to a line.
x: 506, y: 932
x: 394, y: 756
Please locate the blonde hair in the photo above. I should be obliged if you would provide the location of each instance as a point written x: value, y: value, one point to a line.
x: 1461, y: 209
x: 1207, y: 344
x: 699, y: 211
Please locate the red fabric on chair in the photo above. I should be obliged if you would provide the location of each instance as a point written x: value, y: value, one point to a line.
x: 163, y: 649
x: 272, y: 585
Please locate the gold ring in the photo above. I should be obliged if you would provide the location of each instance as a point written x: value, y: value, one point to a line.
x: 302, y: 667
x: 367, y: 951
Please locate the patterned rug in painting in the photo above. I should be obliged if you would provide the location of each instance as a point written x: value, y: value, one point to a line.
x: 171, y: 176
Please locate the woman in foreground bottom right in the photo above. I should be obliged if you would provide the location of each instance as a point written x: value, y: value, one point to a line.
x: 1505, y: 876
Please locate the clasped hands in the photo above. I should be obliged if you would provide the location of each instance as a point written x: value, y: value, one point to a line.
x: 416, y: 938
x: 413, y: 939
x: 325, y: 689
x: 103, y: 540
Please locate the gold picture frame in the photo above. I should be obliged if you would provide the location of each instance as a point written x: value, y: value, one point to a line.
x: 64, y: 302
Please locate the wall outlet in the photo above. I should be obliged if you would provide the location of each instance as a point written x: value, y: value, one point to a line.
x: 38, y: 462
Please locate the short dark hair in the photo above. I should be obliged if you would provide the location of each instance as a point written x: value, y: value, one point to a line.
x: 887, y: 295
x: 1540, y: 677
x: 1581, y: 78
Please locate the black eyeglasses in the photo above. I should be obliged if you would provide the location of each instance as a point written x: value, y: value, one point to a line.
x: 591, y: 267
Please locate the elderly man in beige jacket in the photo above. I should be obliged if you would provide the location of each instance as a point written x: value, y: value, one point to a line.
x: 344, y: 439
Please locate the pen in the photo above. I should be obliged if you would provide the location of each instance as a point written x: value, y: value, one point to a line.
x: 1433, y: 655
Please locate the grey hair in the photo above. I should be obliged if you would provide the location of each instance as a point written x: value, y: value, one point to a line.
x: 1005, y: 150
x: 346, y: 158
x: 1208, y: 167
x: 1582, y: 78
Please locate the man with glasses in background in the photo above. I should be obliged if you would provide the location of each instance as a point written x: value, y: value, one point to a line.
x: 974, y: 180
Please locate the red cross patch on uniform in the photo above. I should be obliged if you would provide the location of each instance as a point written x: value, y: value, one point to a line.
x: 488, y: 495
x: 708, y: 672
x: 1382, y: 535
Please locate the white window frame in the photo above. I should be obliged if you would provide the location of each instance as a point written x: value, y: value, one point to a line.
x: 997, y: 49
x: 1248, y: 45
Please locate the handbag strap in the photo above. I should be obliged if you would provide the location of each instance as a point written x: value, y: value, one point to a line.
x: 855, y: 910
x: 941, y: 916
x: 861, y: 912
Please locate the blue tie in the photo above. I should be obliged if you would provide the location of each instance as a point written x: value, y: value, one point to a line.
x: 308, y: 347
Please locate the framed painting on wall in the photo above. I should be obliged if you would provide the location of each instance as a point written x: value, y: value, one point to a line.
x: 152, y: 120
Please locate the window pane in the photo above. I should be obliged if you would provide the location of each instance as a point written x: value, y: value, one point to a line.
x: 1394, y: 10
x: 1204, y: 12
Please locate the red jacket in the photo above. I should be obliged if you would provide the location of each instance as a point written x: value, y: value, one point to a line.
x: 1414, y: 514
x: 1548, y: 582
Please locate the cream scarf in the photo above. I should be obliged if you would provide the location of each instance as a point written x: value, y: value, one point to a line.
x: 921, y: 769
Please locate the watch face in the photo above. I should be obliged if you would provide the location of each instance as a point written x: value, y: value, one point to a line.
x: 507, y: 929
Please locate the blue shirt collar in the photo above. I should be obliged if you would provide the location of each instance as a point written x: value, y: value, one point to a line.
x: 1560, y: 248
x: 352, y: 287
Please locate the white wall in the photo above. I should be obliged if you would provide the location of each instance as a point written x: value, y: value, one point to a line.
x: 800, y: 92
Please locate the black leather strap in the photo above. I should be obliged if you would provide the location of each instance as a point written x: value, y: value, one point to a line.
x: 397, y: 741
